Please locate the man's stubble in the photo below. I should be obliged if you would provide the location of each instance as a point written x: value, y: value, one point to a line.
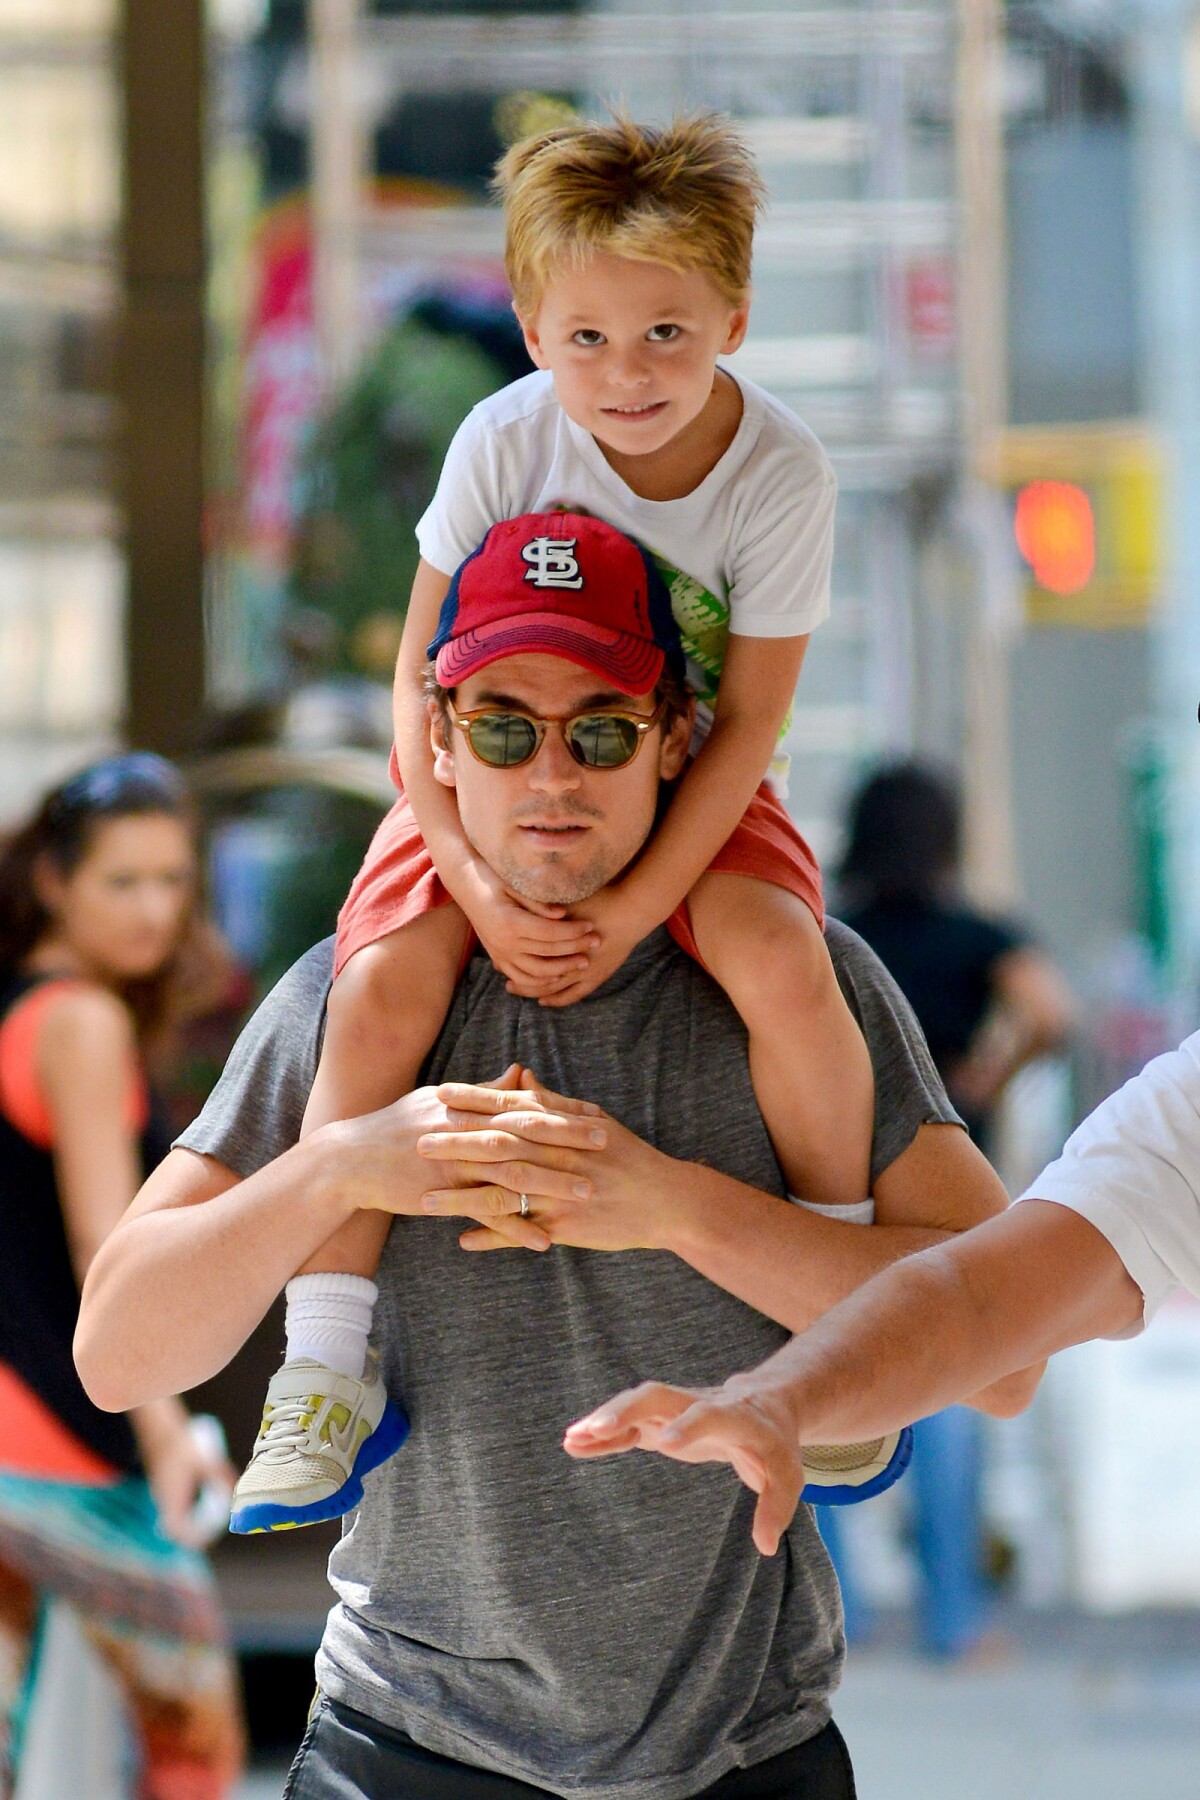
x: 555, y: 883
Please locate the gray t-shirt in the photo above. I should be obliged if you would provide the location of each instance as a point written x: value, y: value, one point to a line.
x: 602, y: 1629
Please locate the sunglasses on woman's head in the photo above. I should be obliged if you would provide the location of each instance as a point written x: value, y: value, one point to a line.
x: 597, y: 740
x: 108, y: 783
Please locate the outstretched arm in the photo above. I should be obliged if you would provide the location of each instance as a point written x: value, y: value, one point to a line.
x: 943, y: 1325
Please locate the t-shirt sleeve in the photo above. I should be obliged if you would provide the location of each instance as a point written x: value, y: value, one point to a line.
x: 469, y: 499
x: 1132, y: 1169
x: 780, y: 567
x: 908, y: 1089
x: 255, y: 1111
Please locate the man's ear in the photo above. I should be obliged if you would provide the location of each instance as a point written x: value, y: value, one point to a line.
x: 676, y: 741
x: 441, y: 742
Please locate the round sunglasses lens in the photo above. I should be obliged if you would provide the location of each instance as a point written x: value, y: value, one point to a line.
x: 602, y: 741
x: 503, y: 740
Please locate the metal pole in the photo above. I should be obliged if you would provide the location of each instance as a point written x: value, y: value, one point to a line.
x: 1167, y: 150
x: 160, y: 377
x: 989, y: 847
x: 338, y: 173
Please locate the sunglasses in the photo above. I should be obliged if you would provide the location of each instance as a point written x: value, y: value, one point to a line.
x: 597, y: 740
x: 139, y: 774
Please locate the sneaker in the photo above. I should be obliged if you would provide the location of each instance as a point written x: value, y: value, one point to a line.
x: 840, y: 1474
x: 321, y: 1433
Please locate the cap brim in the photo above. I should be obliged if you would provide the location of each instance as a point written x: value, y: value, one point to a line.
x: 632, y: 664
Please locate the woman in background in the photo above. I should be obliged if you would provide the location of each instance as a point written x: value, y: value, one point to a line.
x: 101, y: 954
x: 988, y: 1002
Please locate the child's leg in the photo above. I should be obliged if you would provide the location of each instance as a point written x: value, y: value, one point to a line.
x: 384, y: 1014
x: 808, y: 1061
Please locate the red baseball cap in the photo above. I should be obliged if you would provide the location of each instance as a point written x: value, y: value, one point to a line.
x: 566, y: 584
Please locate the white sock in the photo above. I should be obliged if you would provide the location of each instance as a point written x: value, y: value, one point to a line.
x: 329, y: 1319
x: 858, y: 1212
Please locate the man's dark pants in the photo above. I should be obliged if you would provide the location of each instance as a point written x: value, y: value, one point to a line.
x: 346, y: 1756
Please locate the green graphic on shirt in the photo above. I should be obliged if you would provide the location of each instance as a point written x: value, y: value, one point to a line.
x: 703, y: 622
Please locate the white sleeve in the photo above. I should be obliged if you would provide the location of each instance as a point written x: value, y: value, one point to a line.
x: 1132, y: 1169
x: 779, y: 578
x: 469, y: 499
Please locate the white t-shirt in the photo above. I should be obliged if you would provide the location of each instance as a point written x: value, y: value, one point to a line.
x: 1132, y: 1169
x: 747, y: 551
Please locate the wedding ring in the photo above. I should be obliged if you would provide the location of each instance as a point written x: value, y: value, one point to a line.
x: 524, y: 1206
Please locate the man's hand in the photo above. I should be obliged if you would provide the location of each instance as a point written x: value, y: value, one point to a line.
x: 745, y: 1423
x: 384, y: 1157
x: 588, y: 1181
x: 538, y: 948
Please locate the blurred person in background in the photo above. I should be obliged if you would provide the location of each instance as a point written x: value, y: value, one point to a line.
x: 988, y: 1003
x: 102, y: 954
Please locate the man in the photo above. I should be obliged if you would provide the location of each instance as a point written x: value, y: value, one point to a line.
x: 1093, y: 1248
x: 509, y: 1623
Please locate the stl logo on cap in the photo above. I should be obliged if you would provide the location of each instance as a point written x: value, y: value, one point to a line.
x: 554, y: 564
x: 559, y: 584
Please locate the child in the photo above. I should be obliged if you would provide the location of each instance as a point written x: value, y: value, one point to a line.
x: 628, y: 251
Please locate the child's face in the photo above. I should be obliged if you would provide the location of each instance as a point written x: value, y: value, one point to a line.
x: 632, y: 347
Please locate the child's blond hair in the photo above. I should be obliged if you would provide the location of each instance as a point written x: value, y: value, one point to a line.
x: 685, y: 194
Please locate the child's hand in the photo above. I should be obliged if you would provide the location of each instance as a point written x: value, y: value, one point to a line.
x: 537, y: 947
x: 620, y: 925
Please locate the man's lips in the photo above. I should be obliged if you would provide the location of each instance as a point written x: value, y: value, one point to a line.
x: 556, y: 832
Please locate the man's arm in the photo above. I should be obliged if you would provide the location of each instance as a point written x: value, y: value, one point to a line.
x: 194, y: 1265
x: 200, y: 1255
x: 786, y: 1262
x: 925, y: 1333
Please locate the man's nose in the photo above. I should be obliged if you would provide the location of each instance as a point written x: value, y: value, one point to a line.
x: 554, y: 769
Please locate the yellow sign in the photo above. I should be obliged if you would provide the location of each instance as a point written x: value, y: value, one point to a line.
x: 1058, y: 475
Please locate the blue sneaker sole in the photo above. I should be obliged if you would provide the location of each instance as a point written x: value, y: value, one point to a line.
x: 383, y: 1442
x: 847, y: 1494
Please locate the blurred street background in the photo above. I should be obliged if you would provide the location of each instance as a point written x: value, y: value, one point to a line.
x: 250, y: 283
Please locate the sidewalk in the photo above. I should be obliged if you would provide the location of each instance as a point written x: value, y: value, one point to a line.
x: 1046, y: 1727
x: 1082, y: 1710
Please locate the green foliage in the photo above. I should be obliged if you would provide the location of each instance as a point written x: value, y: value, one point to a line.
x: 370, y: 471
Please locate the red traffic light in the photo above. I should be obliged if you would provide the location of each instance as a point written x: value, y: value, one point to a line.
x: 1056, y: 534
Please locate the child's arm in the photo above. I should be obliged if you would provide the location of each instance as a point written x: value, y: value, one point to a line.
x: 535, y: 948
x: 758, y: 682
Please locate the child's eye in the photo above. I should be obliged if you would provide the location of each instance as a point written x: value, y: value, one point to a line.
x: 587, y: 337
x: 662, y: 334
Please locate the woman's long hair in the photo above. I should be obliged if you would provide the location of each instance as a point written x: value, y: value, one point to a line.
x: 905, y: 827
x: 63, y: 829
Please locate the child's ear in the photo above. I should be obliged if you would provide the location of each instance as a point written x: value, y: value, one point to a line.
x: 739, y: 320
x: 533, y: 342
x: 441, y: 743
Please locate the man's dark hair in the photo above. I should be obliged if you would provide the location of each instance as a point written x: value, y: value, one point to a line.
x: 904, y: 832
x: 671, y: 692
